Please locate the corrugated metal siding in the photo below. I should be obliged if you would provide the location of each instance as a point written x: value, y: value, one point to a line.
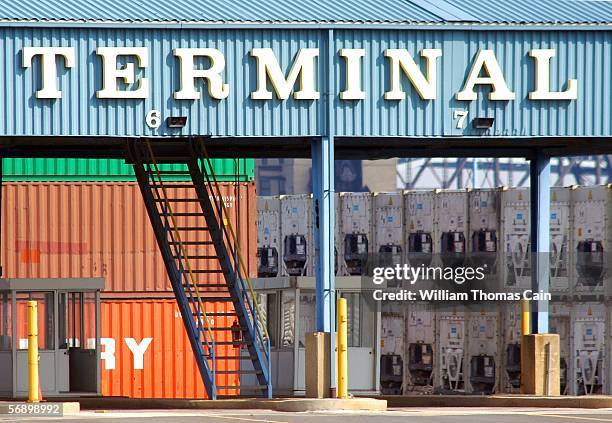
x: 237, y: 115
x: 218, y: 11
x: 168, y: 369
x: 20, y: 169
x: 540, y: 11
x: 101, y: 230
x: 295, y: 11
x: 585, y: 55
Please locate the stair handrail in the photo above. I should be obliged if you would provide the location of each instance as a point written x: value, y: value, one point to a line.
x: 215, y: 183
x: 182, y: 251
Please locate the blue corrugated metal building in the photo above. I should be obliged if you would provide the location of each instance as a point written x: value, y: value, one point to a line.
x: 578, y: 31
x: 378, y: 78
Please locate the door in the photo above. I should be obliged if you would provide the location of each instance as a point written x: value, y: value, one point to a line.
x: 52, y: 379
x: 77, y: 337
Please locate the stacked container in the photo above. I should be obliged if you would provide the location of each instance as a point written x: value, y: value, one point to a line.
x: 592, y: 239
x: 81, y: 218
x: 560, y: 232
x: 451, y: 211
x: 297, y: 235
x: 484, y: 230
x: 356, y: 237
x: 479, y: 351
x: 515, y: 236
x: 269, y: 252
x: 450, y: 374
x: 388, y: 224
x: 420, y: 227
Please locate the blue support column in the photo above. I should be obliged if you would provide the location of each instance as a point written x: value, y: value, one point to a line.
x: 323, y: 203
x: 324, y: 220
x: 539, y: 169
x: 322, y: 153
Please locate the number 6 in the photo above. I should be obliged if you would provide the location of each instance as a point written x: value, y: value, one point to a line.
x: 153, y: 119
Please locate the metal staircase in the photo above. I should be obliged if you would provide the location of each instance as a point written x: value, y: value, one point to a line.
x: 202, y: 257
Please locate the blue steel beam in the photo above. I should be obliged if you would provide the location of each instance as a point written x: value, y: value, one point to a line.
x: 539, y: 169
x: 322, y: 150
x: 323, y: 191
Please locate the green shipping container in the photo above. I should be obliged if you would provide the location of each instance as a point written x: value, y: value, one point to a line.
x: 108, y: 170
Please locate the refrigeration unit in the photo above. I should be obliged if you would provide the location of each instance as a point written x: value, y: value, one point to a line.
x: 268, y: 237
x: 451, y: 342
x: 388, y: 227
x: 419, y: 208
x: 338, y: 262
x: 588, y: 331
x: 515, y: 238
x: 482, y: 351
x: 356, y: 240
x: 420, y: 347
x: 559, y: 323
x: 297, y: 235
x: 511, y: 347
x: 452, y: 224
x: 591, y: 238
x: 484, y: 229
x: 392, y: 352
x: 560, y: 231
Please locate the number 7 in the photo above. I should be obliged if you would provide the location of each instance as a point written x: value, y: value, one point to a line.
x: 462, y: 116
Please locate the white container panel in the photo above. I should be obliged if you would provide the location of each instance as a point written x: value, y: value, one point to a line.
x: 297, y: 235
x: 388, y: 224
x: 355, y: 239
x: 269, y: 250
x: 515, y: 230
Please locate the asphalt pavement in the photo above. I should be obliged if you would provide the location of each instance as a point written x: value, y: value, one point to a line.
x: 403, y: 415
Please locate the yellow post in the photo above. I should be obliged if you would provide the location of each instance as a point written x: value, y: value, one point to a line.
x: 342, y: 349
x: 525, y: 318
x: 33, y: 393
x: 525, y: 330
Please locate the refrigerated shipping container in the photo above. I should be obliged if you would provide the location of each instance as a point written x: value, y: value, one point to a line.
x: 83, y: 230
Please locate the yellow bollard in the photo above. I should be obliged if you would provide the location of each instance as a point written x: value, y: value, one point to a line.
x: 525, y: 330
x: 342, y: 349
x: 33, y: 393
x: 525, y: 318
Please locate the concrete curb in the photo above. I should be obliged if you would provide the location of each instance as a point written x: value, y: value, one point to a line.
x: 287, y: 405
x: 596, y: 401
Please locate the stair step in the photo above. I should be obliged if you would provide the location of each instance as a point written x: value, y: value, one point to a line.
x: 242, y: 342
x: 216, y: 299
x: 174, y: 159
x: 210, y: 285
x: 190, y: 228
x: 168, y: 172
x: 225, y: 329
x: 197, y: 257
x: 191, y: 242
x: 232, y: 357
x: 178, y: 200
x: 243, y: 387
x: 173, y: 185
x: 206, y: 271
x: 238, y: 372
x: 185, y: 214
x: 222, y: 314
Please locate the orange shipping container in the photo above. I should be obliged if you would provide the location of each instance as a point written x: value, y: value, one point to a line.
x: 87, y: 230
x: 146, y: 353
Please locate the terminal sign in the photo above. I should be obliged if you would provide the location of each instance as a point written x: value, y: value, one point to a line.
x: 485, y: 70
